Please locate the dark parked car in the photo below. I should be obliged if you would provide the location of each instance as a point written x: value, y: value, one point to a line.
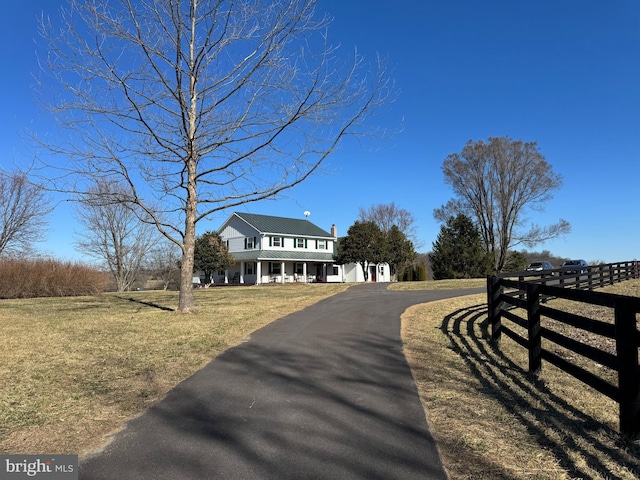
x: 575, y: 266
x: 539, y: 266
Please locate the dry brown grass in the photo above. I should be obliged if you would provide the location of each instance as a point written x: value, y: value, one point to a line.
x: 491, y: 420
x: 440, y: 284
x: 74, y: 369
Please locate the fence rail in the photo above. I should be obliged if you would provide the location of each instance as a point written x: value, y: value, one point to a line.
x: 530, y: 290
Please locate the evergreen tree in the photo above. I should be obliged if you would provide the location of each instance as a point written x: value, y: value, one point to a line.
x: 458, y: 251
x: 211, y: 254
x: 516, y: 262
x: 399, y: 250
x: 422, y: 272
x: 364, y: 244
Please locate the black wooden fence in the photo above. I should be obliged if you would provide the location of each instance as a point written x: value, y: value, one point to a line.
x: 530, y: 290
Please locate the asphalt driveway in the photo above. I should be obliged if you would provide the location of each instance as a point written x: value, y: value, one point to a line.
x: 324, y: 393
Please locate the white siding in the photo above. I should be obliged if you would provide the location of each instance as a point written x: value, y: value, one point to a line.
x: 289, y: 243
x: 235, y: 233
x: 353, y: 273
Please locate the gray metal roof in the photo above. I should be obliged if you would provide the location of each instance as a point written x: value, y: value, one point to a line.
x: 292, y: 256
x: 287, y: 226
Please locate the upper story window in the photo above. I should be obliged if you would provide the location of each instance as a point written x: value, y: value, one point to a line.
x: 276, y: 241
x: 249, y: 243
x: 300, y: 243
x: 322, y: 244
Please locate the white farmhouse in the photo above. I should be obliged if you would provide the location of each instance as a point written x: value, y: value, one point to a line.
x: 272, y: 249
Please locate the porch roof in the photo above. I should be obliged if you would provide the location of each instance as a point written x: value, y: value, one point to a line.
x: 286, y: 255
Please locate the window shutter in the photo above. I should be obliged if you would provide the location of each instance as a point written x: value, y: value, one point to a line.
x: 255, y: 244
x: 305, y: 243
x: 270, y: 242
x: 245, y: 243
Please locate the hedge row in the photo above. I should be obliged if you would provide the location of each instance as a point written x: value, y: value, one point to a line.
x: 22, y: 278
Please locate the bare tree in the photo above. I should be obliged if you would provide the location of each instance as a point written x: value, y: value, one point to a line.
x: 23, y: 211
x: 201, y: 105
x: 495, y: 183
x: 114, y: 233
x: 164, y: 264
x: 389, y: 214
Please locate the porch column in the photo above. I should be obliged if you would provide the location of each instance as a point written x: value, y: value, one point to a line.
x: 304, y: 272
x: 258, y: 272
x: 282, y: 272
x: 226, y: 276
x: 241, y: 272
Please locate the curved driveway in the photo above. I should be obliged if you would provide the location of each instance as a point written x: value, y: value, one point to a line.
x: 324, y: 393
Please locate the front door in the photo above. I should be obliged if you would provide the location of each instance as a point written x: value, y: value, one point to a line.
x: 320, y: 273
x: 372, y: 274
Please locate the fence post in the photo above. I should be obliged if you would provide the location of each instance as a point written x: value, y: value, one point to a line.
x: 522, y: 292
x: 533, y: 324
x: 628, y: 371
x: 611, y: 274
x: 619, y: 273
x: 601, y: 269
x: 494, y: 290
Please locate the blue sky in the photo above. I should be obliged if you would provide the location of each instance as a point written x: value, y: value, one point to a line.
x: 562, y: 73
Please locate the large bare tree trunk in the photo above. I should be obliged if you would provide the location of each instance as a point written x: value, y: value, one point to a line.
x: 186, y: 301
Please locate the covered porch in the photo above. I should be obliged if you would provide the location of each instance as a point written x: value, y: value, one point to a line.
x: 294, y: 268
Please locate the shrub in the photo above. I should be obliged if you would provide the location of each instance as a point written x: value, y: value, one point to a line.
x: 25, y: 278
x: 421, y: 273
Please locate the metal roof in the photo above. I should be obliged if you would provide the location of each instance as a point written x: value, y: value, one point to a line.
x: 281, y: 225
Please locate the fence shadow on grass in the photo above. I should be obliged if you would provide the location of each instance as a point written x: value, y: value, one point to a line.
x: 556, y: 425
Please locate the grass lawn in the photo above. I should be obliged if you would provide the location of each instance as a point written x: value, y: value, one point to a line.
x: 72, y: 370
x: 491, y: 420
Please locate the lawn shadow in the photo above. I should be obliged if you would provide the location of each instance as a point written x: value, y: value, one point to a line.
x: 575, y: 434
x: 148, y: 304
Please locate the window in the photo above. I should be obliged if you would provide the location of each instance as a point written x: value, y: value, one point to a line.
x: 335, y: 270
x: 298, y: 268
x: 274, y: 268
x: 249, y: 243
x: 277, y: 241
x: 322, y: 244
x: 300, y: 243
x: 249, y: 268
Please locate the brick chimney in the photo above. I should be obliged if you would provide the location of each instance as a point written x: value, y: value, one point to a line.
x: 334, y: 231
